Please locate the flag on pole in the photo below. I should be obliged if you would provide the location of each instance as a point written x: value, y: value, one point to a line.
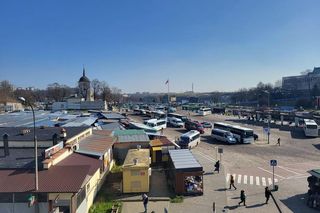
x: 167, y: 82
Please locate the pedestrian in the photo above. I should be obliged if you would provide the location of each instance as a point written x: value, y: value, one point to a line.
x: 242, y: 198
x: 278, y: 142
x: 145, y: 201
x: 217, y: 166
x: 232, y: 182
x: 161, y: 131
x: 267, y: 194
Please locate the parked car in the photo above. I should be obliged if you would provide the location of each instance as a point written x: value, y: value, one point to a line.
x: 194, y: 125
x: 206, y: 124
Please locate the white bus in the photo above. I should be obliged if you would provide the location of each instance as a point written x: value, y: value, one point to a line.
x: 310, y: 128
x: 158, y: 114
x: 156, y: 124
x: 189, y: 139
x: 223, y: 135
x: 204, y: 111
x: 242, y: 134
x: 175, y: 122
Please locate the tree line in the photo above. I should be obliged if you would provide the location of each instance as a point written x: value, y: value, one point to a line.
x: 58, y: 92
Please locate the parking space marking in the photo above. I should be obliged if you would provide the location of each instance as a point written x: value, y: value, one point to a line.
x: 239, y: 178
x: 264, y: 181
x: 271, y: 173
x: 257, y: 181
x: 289, y: 170
x: 245, y: 179
x: 251, y: 180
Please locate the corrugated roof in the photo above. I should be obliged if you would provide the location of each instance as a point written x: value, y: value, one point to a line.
x: 112, y: 126
x: 96, y: 144
x: 161, y: 141
x: 130, y: 135
x: 142, y: 155
x: 81, y: 121
x: 43, y: 134
x: 183, y: 159
x: 115, y: 116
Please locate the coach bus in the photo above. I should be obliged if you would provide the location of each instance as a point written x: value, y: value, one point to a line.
x: 242, y: 134
x: 182, y: 117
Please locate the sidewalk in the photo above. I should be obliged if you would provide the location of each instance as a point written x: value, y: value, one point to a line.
x: 137, y: 207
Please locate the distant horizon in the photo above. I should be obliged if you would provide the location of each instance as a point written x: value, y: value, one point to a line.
x: 137, y: 45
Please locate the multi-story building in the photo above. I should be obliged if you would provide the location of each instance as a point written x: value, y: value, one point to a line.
x: 302, y: 82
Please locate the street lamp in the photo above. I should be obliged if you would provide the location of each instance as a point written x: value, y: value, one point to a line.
x: 267, y: 92
x: 24, y: 101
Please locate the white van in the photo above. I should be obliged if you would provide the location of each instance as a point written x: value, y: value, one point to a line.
x: 156, y: 124
x: 223, y: 135
x: 175, y: 122
x: 189, y: 139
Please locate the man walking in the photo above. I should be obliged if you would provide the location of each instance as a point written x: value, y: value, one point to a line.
x: 267, y: 194
x: 232, y: 182
x: 145, y: 200
x: 242, y: 198
x: 278, y: 142
x: 217, y: 167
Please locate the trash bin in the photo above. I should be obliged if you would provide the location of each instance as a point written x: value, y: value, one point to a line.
x: 276, y: 187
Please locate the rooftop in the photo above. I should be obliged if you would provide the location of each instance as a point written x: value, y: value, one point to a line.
x: 43, y: 134
x: 162, y: 141
x: 131, y: 135
x: 96, y: 144
x: 183, y: 159
x: 142, y: 156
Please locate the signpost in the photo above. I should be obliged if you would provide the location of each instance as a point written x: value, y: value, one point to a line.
x: 273, y: 163
x: 220, y: 151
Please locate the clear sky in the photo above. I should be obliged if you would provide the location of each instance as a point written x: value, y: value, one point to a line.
x: 137, y: 44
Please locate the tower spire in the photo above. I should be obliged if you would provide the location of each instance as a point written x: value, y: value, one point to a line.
x: 83, y: 71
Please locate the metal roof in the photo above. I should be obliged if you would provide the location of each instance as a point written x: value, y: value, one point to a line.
x: 43, y: 134
x: 81, y: 121
x: 96, y: 144
x: 112, y: 126
x: 131, y: 135
x: 115, y: 116
x: 183, y: 159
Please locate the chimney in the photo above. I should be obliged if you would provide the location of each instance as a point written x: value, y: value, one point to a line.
x: 6, y: 144
x: 135, y: 161
x: 55, y: 139
x: 63, y: 133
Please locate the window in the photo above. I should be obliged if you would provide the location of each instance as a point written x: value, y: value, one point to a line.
x: 135, y: 173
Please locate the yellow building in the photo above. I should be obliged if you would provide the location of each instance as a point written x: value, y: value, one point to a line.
x: 136, y: 171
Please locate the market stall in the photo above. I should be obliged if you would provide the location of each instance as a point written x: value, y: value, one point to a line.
x: 185, y: 174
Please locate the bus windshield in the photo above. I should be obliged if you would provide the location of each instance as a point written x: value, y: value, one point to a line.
x: 184, y: 140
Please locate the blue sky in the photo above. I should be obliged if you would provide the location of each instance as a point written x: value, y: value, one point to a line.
x: 137, y: 44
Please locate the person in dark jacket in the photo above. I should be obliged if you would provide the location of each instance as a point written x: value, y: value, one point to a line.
x: 217, y: 167
x: 242, y: 198
x: 267, y: 194
x: 145, y: 201
x: 232, y: 182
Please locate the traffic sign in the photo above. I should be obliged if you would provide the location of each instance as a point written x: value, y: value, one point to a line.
x: 273, y: 162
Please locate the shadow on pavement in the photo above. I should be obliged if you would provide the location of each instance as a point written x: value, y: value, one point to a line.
x: 256, y: 205
x: 235, y: 198
x: 231, y: 207
x: 316, y: 146
x: 221, y: 190
x: 208, y: 173
x: 298, y: 203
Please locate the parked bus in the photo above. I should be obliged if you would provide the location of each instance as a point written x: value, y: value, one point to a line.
x: 310, y: 128
x: 182, y: 117
x: 242, y: 134
x: 189, y: 139
x: 157, y: 124
x: 223, y: 135
x: 204, y: 111
x: 158, y: 114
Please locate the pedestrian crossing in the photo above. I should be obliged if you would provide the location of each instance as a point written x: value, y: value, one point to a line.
x: 250, y: 180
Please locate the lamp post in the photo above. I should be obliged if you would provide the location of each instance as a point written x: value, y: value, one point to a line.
x: 23, y: 100
x: 268, y: 115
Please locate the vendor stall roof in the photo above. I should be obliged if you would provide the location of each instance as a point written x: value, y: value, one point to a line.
x: 315, y: 172
x: 183, y: 159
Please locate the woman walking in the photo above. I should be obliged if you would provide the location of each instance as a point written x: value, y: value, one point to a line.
x: 232, y: 182
x: 242, y: 198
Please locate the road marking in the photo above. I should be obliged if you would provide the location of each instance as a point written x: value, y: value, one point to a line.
x: 270, y: 181
x: 271, y: 173
x: 264, y: 181
x: 257, y: 181
x: 205, y: 156
x: 245, y: 179
x: 289, y: 170
x: 251, y: 180
x: 275, y: 180
x: 228, y: 177
x: 239, y: 178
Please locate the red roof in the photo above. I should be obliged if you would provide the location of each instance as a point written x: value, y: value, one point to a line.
x: 67, y: 176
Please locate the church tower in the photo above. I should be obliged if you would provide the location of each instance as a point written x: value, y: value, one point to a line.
x: 84, y: 86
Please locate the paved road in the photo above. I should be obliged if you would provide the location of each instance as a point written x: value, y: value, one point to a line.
x: 250, y: 163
